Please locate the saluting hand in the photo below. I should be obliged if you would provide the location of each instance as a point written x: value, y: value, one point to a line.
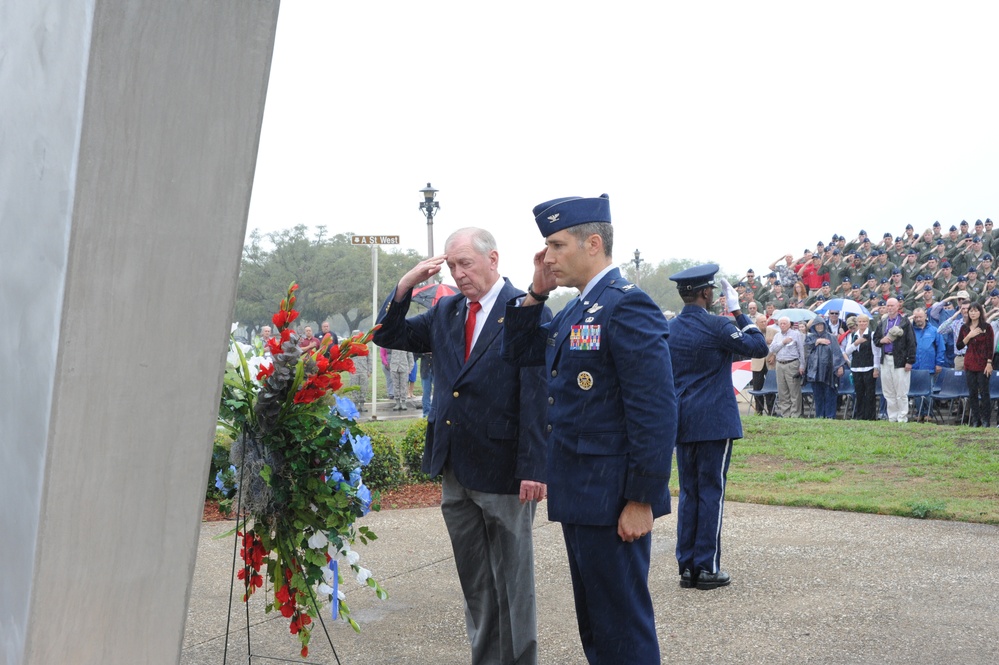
x: 423, y: 271
x: 544, y: 279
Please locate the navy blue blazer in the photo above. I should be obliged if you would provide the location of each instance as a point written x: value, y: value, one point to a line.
x: 612, y: 409
x: 703, y: 347
x: 487, y: 419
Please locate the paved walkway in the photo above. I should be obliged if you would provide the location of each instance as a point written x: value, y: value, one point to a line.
x: 809, y: 586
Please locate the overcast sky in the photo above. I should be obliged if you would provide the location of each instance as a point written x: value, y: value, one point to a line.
x: 725, y: 131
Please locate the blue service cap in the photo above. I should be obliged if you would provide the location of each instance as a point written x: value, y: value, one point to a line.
x: 927, y: 288
x: 976, y: 239
x: 978, y: 222
x: 908, y: 227
x: 990, y: 276
x: 936, y: 224
x: 846, y: 279
x: 994, y: 292
x: 896, y: 271
x: 771, y: 274
x: 912, y: 251
x: 946, y: 264
x: 962, y: 278
x: 940, y: 241
x: 836, y: 252
x: 855, y: 286
x: 557, y: 214
x: 862, y: 232
x: 698, y: 277
x: 825, y: 283
x: 987, y: 257
x: 933, y: 257
x: 954, y: 228
x: 964, y: 222
x: 973, y: 269
x: 886, y: 235
x: 884, y: 280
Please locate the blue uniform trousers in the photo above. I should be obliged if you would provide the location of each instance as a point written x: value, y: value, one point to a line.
x: 703, y: 469
x: 610, y: 588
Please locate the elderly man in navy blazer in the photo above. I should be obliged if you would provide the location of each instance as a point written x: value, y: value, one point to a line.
x: 703, y: 347
x: 486, y: 435
x: 611, y: 423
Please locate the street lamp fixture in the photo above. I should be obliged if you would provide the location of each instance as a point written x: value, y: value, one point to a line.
x: 429, y: 208
x: 637, y: 262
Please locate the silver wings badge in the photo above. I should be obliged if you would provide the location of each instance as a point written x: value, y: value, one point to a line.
x: 553, y: 218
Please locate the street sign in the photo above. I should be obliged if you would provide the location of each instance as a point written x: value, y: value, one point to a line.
x: 374, y: 240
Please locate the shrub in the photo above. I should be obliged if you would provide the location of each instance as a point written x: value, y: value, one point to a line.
x: 220, y: 462
x: 385, y: 469
x: 412, y: 451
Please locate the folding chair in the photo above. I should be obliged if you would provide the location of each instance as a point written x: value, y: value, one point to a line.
x: 952, y: 386
x: 807, y: 399
x: 769, y: 388
x: 920, y: 390
x: 848, y: 392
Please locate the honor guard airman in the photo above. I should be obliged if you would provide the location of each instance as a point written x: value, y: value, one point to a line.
x: 703, y: 346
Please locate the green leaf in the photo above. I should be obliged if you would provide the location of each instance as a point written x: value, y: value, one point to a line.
x: 265, y: 473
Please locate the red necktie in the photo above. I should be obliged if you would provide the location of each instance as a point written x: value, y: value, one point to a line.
x: 473, y: 307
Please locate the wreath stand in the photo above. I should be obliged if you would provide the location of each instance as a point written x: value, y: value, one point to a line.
x: 232, y: 584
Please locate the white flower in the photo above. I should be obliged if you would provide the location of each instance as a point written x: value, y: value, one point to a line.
x: 328, y: 575
x: 352, y: 557
x: 325, y: 589
x: 318, y: 540
x: 362, y: 575
x: 340, y: 595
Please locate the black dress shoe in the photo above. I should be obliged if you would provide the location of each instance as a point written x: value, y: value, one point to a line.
x: 687, y: 581
x: 707, y: 581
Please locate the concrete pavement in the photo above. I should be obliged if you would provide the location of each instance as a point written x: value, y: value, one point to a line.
x: 809, y: 586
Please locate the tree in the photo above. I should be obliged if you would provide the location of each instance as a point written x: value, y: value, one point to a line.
x: 656, y: 282
x: 334, y: 276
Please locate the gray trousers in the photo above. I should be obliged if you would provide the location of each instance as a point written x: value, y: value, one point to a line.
x: 788, y: 389
x: 494, y: 553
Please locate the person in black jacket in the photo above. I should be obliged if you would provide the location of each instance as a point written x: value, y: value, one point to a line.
x: 897, y: 342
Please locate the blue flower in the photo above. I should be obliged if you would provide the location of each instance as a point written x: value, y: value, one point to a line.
x: 345, y: 407
x: 336, y: 476
x: 363, y: 449
x: 355, y: 477
x: 364, y: 494
x: 220, y: 482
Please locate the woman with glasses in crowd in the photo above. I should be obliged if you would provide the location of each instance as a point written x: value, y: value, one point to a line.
x: 976, y: 335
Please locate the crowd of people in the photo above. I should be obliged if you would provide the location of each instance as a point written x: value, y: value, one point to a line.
x: 924, y: 301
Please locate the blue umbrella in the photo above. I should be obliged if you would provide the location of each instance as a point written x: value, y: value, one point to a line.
x: 844, y: 306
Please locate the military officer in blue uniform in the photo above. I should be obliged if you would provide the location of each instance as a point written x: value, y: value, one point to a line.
x: 611, y: 423
x: 703, y: 346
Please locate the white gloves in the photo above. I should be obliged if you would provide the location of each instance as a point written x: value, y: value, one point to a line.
x: 731, y: 297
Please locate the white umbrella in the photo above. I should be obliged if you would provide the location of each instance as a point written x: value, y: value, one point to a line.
x: 794, y: 314
x: 844, y: 306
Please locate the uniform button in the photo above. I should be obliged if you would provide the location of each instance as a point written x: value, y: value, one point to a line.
x: 448, y: 422
x: 549, y: 429
x: 551, y: 400
x: 455, y: 393
x: 554, y: 373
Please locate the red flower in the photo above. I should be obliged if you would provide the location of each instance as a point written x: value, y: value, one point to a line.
x: 292, y: 315
x: 293, y: 287
x: 280, y: 319
x: 287, y: 611
x: 305, y: 652
x: 265, y: 370
x: 358, y: 349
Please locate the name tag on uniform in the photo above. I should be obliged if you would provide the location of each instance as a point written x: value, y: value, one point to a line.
x: 584, y: 338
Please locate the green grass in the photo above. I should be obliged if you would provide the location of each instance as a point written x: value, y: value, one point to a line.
x: 913, y: 470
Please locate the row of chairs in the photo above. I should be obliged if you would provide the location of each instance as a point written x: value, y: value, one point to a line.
x: 947, y: 386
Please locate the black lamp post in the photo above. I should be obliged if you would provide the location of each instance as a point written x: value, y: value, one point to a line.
x: 429, y: 208
x: 638, y: 263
